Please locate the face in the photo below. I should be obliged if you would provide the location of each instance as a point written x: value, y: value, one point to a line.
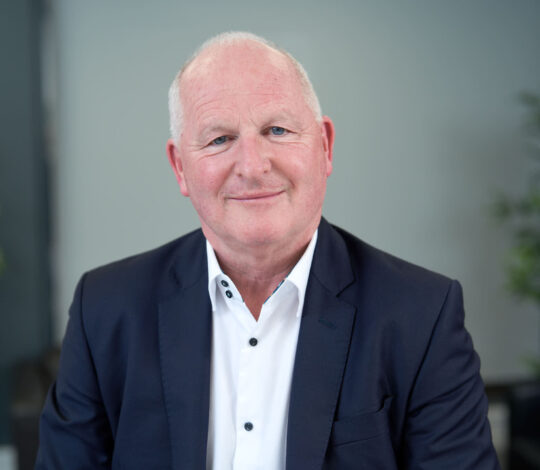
x: 252, y: 157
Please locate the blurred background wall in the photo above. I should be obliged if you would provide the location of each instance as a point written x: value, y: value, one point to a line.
x: 423, y: 96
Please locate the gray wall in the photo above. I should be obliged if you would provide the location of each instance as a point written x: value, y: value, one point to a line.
x: 428, y: 129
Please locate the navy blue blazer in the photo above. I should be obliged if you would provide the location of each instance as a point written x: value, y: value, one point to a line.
x: 385, y: 375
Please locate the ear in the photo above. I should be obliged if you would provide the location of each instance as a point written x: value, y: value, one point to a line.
x: 173, y: 154
x: 328, y: 134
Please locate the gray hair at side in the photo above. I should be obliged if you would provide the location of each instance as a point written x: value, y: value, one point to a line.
x: 231, y: 37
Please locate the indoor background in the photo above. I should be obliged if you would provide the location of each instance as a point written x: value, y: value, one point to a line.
x: 429, y: 129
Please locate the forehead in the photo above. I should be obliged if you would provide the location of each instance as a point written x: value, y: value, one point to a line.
x: 230, y: 56
x: 248, y: 70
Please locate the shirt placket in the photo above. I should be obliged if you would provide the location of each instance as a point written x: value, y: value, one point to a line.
x: 249, y: 426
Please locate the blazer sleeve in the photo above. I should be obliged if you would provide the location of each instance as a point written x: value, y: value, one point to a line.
x: 446, y: 424
x: 74, y: 428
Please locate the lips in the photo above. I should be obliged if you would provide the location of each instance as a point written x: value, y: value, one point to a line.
x: 258, y: 196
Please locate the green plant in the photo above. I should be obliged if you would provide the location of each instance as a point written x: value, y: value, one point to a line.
x: 522, y: 214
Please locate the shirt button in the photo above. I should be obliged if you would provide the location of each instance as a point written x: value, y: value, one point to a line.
x: 248, y: 426
x: 224, y: 283
x: 253, y: 341
x: 228, y: 293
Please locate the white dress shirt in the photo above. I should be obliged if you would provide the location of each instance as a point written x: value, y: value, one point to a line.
x: 251, y: 371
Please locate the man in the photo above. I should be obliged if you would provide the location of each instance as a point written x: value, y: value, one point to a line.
x: 270, y: 339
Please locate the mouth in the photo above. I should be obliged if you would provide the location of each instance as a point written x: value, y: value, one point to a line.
x: 256, y: 197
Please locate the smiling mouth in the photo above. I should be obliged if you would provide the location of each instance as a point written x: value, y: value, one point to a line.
x: 255, y: 197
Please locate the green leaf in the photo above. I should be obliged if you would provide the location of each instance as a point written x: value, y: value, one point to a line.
x: 533, y: 363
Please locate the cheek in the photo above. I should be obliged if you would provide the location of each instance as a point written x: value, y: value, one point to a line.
x: 205, y: 179
x: 315, y: 182
x: 312, y: 170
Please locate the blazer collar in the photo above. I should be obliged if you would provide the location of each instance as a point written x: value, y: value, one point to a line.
x: 331, y: 261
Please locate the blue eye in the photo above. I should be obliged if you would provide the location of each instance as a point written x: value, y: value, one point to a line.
x: 219, y: 140
x: 277, y: 130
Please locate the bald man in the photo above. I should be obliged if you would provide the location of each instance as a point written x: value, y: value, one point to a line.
x: 268, y: 339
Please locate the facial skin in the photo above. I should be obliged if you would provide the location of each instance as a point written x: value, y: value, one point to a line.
x: 252, y: 157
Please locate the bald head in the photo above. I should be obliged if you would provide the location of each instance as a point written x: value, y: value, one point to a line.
x: 223, y: 54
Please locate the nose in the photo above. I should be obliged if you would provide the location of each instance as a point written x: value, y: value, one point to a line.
x: 253, y: 158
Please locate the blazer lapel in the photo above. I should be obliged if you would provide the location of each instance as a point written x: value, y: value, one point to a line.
x: 185, y: 331
x: 321, y: 353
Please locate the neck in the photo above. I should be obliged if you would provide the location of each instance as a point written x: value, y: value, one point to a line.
x: 258, y: 271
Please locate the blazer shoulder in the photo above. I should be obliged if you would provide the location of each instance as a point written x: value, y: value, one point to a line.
x: 153, y: 272
x: 388, y: 275
x: 365, y: 256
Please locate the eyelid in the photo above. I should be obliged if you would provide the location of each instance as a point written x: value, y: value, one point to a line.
x: 228, y: 138
x: 269, y: 130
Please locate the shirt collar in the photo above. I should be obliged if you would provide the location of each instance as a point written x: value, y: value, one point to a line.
x: 298, y: 276
x: 300, y: 273
x: 214, y: 272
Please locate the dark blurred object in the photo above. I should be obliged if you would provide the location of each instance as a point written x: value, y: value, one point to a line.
x: 524, y: 403
x: 31, y: 381
x: 25, y: 288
